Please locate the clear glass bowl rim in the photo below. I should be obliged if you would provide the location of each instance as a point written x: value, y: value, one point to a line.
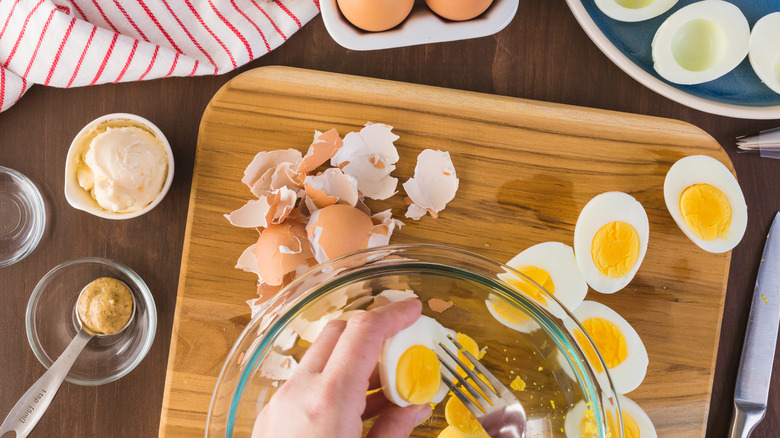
x: 38, y: 217
x: 396, y: 249
x: 148, y: 301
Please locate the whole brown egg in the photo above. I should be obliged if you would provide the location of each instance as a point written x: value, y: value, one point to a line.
x: 458, y: 10
x: 376, y: 15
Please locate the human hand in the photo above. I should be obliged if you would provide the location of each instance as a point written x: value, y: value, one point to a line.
x: 326, y: 396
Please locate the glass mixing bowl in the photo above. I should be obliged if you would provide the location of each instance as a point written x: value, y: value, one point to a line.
x: 537, y: 345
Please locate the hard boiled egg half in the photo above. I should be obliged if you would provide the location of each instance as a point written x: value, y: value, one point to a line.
x: 581, y: 421
x: 409, y: 368
x: 701, y: 42
x: 765, y: 50
x: 617, y: 342
x: 610, y: 240
x: 707, y: 203
x: 553, y: 267
x: 634, y: 10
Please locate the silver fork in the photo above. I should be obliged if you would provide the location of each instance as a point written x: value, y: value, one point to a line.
x: 497, y: 410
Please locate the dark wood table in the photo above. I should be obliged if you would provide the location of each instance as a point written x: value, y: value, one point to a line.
x: 543, y: 54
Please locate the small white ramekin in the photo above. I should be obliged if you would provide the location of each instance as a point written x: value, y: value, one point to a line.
x: 80, y: 199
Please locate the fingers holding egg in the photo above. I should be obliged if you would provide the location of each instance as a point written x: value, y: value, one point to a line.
x: 610, y: 240
x: 706, y: 202
x: 409, y: 368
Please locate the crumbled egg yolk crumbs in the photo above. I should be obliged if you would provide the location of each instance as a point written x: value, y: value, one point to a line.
x: 540, y: 276
x: 459, y: 417
x: 706, y: 211
x: 518, y: 384
x: 615, y: 249
x: 417, y: 375
x: 608, y: 339
x: 588, y: 427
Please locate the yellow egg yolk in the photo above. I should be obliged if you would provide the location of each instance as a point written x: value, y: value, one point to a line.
x: 417, y: 375
x: 469, y: 345
x: 540, y: 276
x: 630, y: 428
x: 460, y: 418
x: 706, y: 211
x: 615, y: 249
x: 451, y: 432
x: 608, y: 339
x: 508, y: 312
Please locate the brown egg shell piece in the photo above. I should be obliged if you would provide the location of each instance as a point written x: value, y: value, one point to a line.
x: 269, y: 209
x: 268, y: 160
x: 324, y: 147
x: 337, y: 230
x: 281, y: 249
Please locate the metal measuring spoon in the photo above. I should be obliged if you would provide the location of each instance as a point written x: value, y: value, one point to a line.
x: 33, y: 404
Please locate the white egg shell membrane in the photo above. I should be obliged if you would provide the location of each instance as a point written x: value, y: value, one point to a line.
x: 603, y: 209
x: 558, y: 260
x: 434, y: 184
x: 370, y: 156
x: 678, y: 45
x: 629, y: 374
x: 524, y: 327
x: 425, y: 331
x: 646, y: 428
x: 765, y: 50
x: 702, y: 169
x: 634, y: 10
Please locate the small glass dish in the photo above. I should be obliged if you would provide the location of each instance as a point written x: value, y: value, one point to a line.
x: 52, y: 322
x: 543, y: 352
x: 81, y: 199
x: 22, y: 216
x: 422, y: 26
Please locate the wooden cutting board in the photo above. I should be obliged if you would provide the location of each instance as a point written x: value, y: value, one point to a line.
x: 526, y: 169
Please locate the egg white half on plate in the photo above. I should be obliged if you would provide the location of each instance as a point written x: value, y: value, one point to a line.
x: 610, y: 240
x: 765, y: 50
x: 634, y: 10
x: 706, y: 202
x: 701, y: 42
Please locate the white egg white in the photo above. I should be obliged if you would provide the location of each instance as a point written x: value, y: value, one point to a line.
x: 765, y: 50
x: 630, y: 373
x: 603, y: 209
x: 572, y: 425
x: 557, y: 259
x: 628, y: 407
x: 527, y: 326
x: 701, y: 169
x: 425, y: 331
x: 701, y: 42
x: 634, y: 10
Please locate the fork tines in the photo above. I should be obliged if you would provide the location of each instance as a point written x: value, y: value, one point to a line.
x: 482, y: 399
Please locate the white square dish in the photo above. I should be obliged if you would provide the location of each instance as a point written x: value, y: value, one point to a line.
x: 421, y: 27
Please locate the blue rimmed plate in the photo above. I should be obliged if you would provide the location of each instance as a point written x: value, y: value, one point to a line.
x: 739, y: 93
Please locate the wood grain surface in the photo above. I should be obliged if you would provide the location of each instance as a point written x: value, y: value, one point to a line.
x: 542, y: 54
x: 526, y: 169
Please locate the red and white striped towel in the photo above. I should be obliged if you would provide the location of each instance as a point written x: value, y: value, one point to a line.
x: 71, y: 43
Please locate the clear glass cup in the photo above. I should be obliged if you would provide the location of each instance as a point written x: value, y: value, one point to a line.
x: 52, y: 322
x: 541, y: 349
x: 22, y: 216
